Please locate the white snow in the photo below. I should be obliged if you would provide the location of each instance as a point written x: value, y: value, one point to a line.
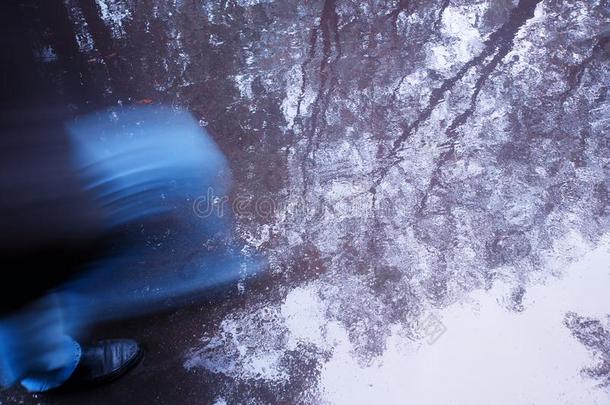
x: 114, y: 12
x: 82, y: 34
x: 303, y: 313
x: 489, y: 355
x: 244, y: 85
x: 289, y: 105
x: 246, y: 346
x: 463, y: 39
x: 250, y: 3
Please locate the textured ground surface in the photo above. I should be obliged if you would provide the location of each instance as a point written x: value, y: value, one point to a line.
x: 421, y: 174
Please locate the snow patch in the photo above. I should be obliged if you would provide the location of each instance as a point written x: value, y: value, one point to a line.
x: 250, y: 3
x: 485, y: 347
x: 294, y: 82
x: 463, y: 38
x: 303, y: 312
x: 114, y: 13
x: 247, y: 345
x: 244, y: 85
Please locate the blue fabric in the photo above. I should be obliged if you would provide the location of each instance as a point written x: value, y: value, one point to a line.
x: 35, y: 347
x: 139, y: 164
x: 68, y: 356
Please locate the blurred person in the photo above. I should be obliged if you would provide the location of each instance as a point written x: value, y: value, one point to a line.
x: 76, y: 191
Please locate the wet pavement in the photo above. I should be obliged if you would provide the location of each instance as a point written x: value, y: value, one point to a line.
x: 391, y: 158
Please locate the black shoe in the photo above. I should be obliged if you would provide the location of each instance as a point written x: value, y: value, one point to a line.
x: 103, y: 362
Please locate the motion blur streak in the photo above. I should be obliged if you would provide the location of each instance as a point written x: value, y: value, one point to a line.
x: 147, y: 164
x: 140, y: 168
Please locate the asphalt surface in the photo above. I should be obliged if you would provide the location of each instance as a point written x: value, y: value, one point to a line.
x: 390, y: 158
